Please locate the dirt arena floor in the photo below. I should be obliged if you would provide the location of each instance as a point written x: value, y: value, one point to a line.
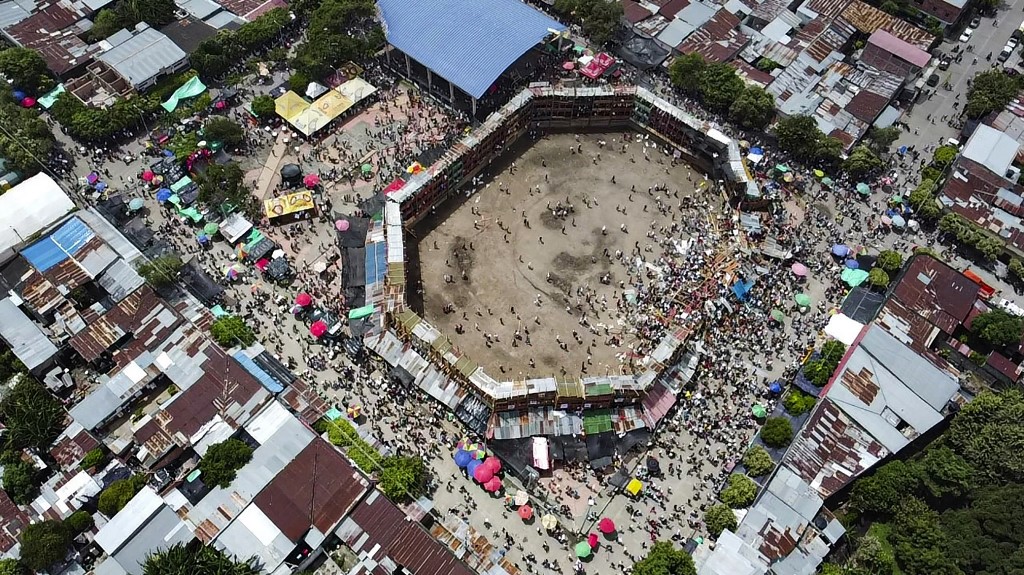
x: 497, y: 275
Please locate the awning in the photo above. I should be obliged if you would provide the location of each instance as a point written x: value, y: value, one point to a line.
x: 541, y: 454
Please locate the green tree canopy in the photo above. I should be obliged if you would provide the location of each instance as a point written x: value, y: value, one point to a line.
x: 890, y: 261
x: 883, y: 138
x: 221, y: 129
x: 26, y: 69
x: 718, y: 518
x: 922, y: 199
x: 79, y: 522
x: 800, y: 136
x: 264, y: 107
x: 161, y: 271
x: 20, y: 481
x: 991, y: 91
x: 874, y: 557
x: 10, y: 365
x: 998, y: 327
x: 878, y: 278
x: 862, y: 161
x: 598, y: 18
x: 944, y: 474
x: 685, y: 72
x: 918, y: 540
x: 739, y: 491
x: 402, y: 477
x: 220, y: 184
x: 777, y: 432
x: 94, y: 458
x: 32, y: 416
x: 988, y: 434
x: 230, y: 330
x: 43, y: 544
x: 757, y: 462
x: 798, y: 402
x: 753, y: 109
x: 719, y: 86
x: 222, y: 461
x: 12, y: 567
x: 665, y: 559
x: 884, y: 490
x: 987, y: 537
x: 197, y: 559
x: 118, y: 494
x: 944, y: 156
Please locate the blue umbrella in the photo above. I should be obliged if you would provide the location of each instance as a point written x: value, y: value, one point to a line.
x: 903, y: 150
x: 168, y: 154
x: 101, y: 186
x: 462, y: 458
x: 852, y: 264
x: 839, y: 250
x: 757, y: 151
x: 775, y: 387
x: 472, y: 465
x: 19, y: 95
x: 163, y: 195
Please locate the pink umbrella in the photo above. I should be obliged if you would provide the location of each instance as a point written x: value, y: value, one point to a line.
x: 592, y: 540
x: 262, y: 264
x: 568, y: 65
x: 493, y: 485
x: 28, y: 102
x: 303, y: 299
x: 886, y: 220
x: 221, y: 105
x: 311, y: 180
x: 526, y: 512
x: 483, y: 474
x: 799, y: 269
x: 318, y: 329
x: 148, y: 175
x: 341, y: 225
x: 494, y: 463
x: 606, y: 526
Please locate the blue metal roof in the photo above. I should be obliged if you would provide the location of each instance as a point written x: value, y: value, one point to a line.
x: 60, y: 245
x: 376, y: 262
x: 256, y: 371
x: 467, y: 42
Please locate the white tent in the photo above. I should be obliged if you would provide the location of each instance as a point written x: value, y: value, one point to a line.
x: 315, y: 90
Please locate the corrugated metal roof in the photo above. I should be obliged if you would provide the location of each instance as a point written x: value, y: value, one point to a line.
x: 992, y: 149
x: 29, y: 208
x: 898, y: 47
x: 23, y: 336
x: 491, y: 36
x: 145, y: 55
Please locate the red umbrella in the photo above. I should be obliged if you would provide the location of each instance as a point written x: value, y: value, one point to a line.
x: 483, y: 474
x: 592, y: 540
x: 262, y: 264
x: 303, y: 299
x: 28, y: 102
x: 318, y: 329
x: 494, y: 463
x: 526, y: 512
x: 606, y: 526
x: 493, y: 485
x: 311, y: 180
x: 148, y: 175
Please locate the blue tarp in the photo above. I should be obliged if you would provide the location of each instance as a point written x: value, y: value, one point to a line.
x: 376, y: 262
x: 63, y: 243
x: 741, y: 289
x: 467, y: 42
x: 263, y: 377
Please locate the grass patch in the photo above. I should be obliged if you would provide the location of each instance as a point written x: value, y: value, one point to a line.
x: 881, y: 532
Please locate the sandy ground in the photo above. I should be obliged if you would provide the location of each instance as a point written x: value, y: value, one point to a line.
x: 506, y: 262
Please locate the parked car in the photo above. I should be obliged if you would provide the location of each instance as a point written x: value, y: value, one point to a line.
x: 933, y: 80
x: 975, y: 22
x: 966, y: 35
x: 944, y: 63
x: 1005, y: 54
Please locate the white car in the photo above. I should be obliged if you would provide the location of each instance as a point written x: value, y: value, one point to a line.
x: 966, y: 35
x: 1012, y: 43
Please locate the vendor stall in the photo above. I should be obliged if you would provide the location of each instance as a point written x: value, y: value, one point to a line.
x: 291, y: 206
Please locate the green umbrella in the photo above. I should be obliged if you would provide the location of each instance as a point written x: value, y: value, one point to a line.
x: 211, y: 228
x: 827, y: 182
x: 782, y: 168
x: 579, y: 49
x: 778, y: 316
x: 583, y: 549
x: 802, y: 300
x: 863, y: 189
x: 854, y: 278
x: 896, y: 199
x: 758, y: 410
x: 136, y: 204
x: 366, y: 168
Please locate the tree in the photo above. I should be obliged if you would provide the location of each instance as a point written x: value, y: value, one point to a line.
x: 32, y: 416
x: 987, y: 433
x: 991, y: 91
x: 998, y: 327
x: 890, y: 261
x: 753, y: 109
x: 263, y: 107
x: 862, y: 161
x: 798, y: 402
x: 599, y: 18
x: 94, y: 458
x: 777, y: 432
x: 719, y: 86
x: 298, y: 82
x: 222, y: 461
x: 664, y: 559
x: 757, y: 462
x: 19, y: 481
x: 26, y: 69
x: 739, y: 491
x: 402, y: 477
x: 12, y: 567
x: 220, y: 184
x: 230, y: 330
x: 798, y: 135
x: 106, y: 22
x: 220, y: 129
x: 43, y: 544
x: 944, y: 156
x: 10, y: 365
x: 873, y: 556
x: 685, y: 72
x: 883, y: 138
x: 918, y: 540
x: 161, y: 271
x: 79, y: 522
x: 922, y: 199
x: 180, y: 559
x: 118, y: 494
x: 944, y: 474
x: 884, y: 490
x: 28, y: 141
x: 986, y: 537
x: 718, y: 518
x: 878, y: 278
x: 1016, y: 268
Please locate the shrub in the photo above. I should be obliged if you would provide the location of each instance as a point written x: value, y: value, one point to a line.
x: 798, y: 402
x: 757, y: 461
x: 94, y: 458
x: 44, y: 543
x: 223, y: 460
x: 19, y: 481
x: 118, y: 494
x: 739, y: 491
x: 79, y: 522
x: 718, y: 518
x: 777, y: 432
